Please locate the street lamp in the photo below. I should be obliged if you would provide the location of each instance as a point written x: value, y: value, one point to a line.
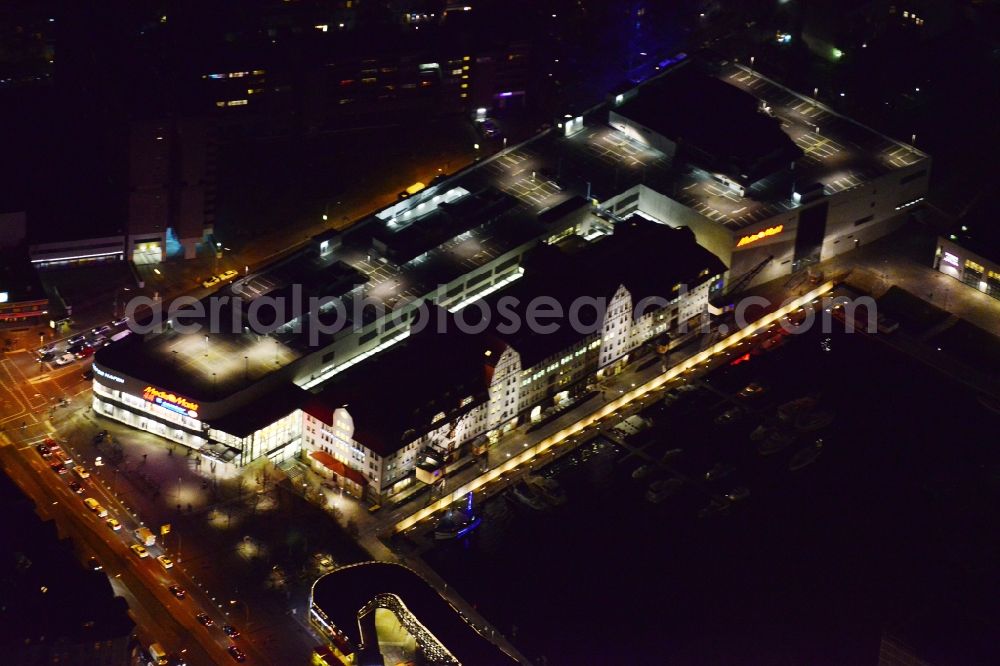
x: 118, y: 294
x: 246, y: 609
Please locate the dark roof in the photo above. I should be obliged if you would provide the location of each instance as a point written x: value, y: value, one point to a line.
x: 342, y: 593
x: 394, y: 396
x: 646, y: 257
x: 262, y: 411
x: 716, y: 126
x: 18, y: 277
x: 979, y: 232
x: 49, y: 598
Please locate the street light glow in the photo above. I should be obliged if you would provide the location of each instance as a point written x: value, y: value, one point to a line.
x: 610, y: 408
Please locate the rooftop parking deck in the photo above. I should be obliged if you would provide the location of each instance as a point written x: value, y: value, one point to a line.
x: 527, y: 180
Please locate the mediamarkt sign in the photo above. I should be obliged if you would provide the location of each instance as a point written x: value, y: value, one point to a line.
x: 171, y: 401
x: 763, y: 233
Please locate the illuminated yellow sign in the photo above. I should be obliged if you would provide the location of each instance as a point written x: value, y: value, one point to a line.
x: 763, y: 233
x: 174, y: 403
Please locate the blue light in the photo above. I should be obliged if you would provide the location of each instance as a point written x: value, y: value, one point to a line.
x: 471, y: 526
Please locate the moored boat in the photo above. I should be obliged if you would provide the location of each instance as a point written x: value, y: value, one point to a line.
x: 527, y: 495
x: 457, y: 522
x: 806, y: 456
x: 814, y: 421
x: 795, y: 407
x: 549, y: 488
x: 777, y: 441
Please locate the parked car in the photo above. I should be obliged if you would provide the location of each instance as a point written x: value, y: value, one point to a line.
x: 65, y: 359
x: 751, y: 390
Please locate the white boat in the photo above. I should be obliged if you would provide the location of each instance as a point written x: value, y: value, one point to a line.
x: 806, y: 456
x: 718, y: 505
x: 813, y: 421
x: 738, y: 494
x: 671, y: 454
x: 528, y: 496
x: 549, y: 488
x: 661, y: 489
x: 795, y: 407
x: 775, y: 442
x: 641, y: 471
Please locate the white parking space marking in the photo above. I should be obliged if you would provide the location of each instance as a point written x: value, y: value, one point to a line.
x: 900, y: 156
x: 843, y: 183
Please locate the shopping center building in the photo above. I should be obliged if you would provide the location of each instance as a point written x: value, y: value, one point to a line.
x: 620, y: 204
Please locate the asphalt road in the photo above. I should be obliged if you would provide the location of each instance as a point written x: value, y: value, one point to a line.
x: 143, y: 582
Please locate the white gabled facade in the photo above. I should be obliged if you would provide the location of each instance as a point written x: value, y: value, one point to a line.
x: 505, y: 395
x: 514, y: 392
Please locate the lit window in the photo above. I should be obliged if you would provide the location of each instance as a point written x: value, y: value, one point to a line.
x: 969, y: 263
